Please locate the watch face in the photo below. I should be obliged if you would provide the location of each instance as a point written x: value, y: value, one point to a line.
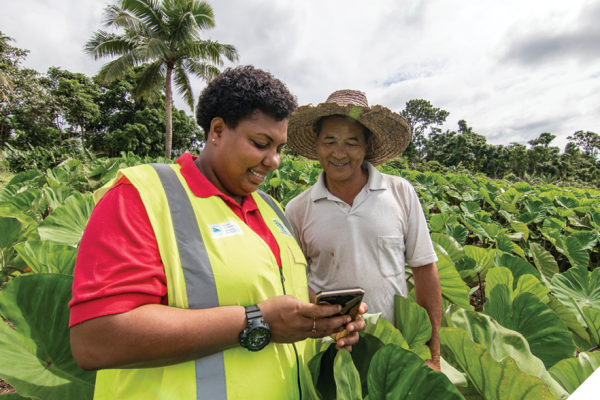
x: 258, y: 338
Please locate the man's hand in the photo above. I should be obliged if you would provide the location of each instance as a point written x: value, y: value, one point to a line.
x: 349, y: 335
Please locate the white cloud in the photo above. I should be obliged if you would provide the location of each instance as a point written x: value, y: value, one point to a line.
x: 511, y: 69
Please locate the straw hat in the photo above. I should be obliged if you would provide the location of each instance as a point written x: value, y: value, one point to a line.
x: 391, y: 132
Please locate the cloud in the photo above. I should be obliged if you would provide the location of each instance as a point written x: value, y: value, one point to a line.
x: 511, y: 69
x: 579, y: 40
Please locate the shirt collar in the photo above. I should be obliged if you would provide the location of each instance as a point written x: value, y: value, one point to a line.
x: 375, y: 182
x: 202, y: 187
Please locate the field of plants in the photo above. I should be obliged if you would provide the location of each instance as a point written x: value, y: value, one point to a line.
x: 518, y: 267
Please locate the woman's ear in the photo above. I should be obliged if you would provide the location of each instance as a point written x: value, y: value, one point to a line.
x: 217, y: 127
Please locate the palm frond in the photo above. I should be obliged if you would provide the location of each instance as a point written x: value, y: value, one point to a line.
x: 203, y: 14
x: 183, y: 85
x: 154, y: 49
x: 150, y: 12
x: 116, y: 69
x: 150, y: 81
x: 105, y: 44
x: 184, y: 25
x: 210, y: 50
x: 202, y: 70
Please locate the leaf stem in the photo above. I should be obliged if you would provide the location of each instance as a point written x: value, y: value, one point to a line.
x: 15, y: 268
x: 409, y: 276
x: 481, y: 289
x: 593, y: 349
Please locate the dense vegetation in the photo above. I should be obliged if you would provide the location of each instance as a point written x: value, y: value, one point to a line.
x: 518, y: 267
x: 40, y: 115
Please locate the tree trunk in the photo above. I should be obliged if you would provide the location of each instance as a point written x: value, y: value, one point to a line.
x: 168, y: 112
x: 82, y: 136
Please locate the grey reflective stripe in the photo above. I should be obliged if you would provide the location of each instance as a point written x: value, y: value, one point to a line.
x: 277, y: 210
x: 199, y: 279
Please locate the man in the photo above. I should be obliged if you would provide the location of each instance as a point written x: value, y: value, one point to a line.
x: 356, y: 226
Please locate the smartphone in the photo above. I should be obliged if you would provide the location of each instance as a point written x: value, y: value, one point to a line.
x: 348, y: 298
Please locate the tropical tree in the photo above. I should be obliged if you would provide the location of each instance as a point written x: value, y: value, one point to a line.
x: 5, y: 81
x: 164, y: 37
x: 422, y: 115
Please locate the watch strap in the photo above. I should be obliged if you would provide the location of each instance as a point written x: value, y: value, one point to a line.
x: 253, y: 312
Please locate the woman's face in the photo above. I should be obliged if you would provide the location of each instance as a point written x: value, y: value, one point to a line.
x: 246, y: 154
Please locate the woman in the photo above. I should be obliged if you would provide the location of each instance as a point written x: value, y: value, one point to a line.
x: 188, y: 283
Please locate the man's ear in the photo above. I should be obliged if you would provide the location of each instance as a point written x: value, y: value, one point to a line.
x: 314, y: 135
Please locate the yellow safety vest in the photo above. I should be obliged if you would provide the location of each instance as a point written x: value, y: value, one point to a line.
x: 213, y: 260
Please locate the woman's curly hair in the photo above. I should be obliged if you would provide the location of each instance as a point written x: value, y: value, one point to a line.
x: 238, y: 92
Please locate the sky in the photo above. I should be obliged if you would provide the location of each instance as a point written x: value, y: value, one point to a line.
x: 512, y: 69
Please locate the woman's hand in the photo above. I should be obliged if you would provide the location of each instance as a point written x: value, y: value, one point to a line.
x: 292, y: 320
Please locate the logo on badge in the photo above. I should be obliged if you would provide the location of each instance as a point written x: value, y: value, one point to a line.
x: 281, y: 228
x: 230, y: 228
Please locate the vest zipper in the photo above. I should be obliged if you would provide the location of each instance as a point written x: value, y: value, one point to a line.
x: 293, y: 345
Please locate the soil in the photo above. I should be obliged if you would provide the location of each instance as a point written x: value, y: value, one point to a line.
x: 5, y: 388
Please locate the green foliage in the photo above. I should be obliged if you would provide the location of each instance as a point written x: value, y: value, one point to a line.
x: 37, y: 359
x: 501, y: 248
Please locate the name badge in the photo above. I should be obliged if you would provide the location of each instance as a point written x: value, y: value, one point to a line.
x: 225, y: 229
x: 281, y: 227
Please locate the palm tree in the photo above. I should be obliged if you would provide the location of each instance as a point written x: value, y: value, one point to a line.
x: 164, y: 37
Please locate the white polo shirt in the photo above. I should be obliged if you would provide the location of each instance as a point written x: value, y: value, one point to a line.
x: 366, y: 244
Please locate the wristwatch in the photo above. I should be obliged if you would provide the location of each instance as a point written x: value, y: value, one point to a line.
x: 257, y: 334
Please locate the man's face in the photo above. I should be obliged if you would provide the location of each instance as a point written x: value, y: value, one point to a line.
x: 341, y: 149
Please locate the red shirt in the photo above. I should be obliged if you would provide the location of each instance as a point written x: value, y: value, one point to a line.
x: 118, y: 264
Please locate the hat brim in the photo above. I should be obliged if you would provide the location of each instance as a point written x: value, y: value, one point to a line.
x: 391, y: 132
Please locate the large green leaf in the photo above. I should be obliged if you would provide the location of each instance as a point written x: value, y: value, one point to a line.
x: 450, y: 245
x: 578, y: 257
x: 45, y: 256
x: 587, y: 239
x: 502, y: 342
x: 521, y: 228
x: 544, y: 262
x: 36, y: 358
x: 531, y: 284
x: 398, y: 374
x: 580, y: 284
x: 453, y: 287
x: 24, y: 177
x: 548, y: 337
x: 569, y: 318
x: 458, y: 232
x: 572, y: 372
x: 437, y: 222
x: 498, y: 275
x: 10, y: 228
x: 66, y: 224
x: 484, y: 258
x: 57, y: 196
x: 517, y: 266
x: 347, y: 380
x: 592, y: 318
x: 412, y: 321
x: 30, y: 202
x: 493, y: 380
